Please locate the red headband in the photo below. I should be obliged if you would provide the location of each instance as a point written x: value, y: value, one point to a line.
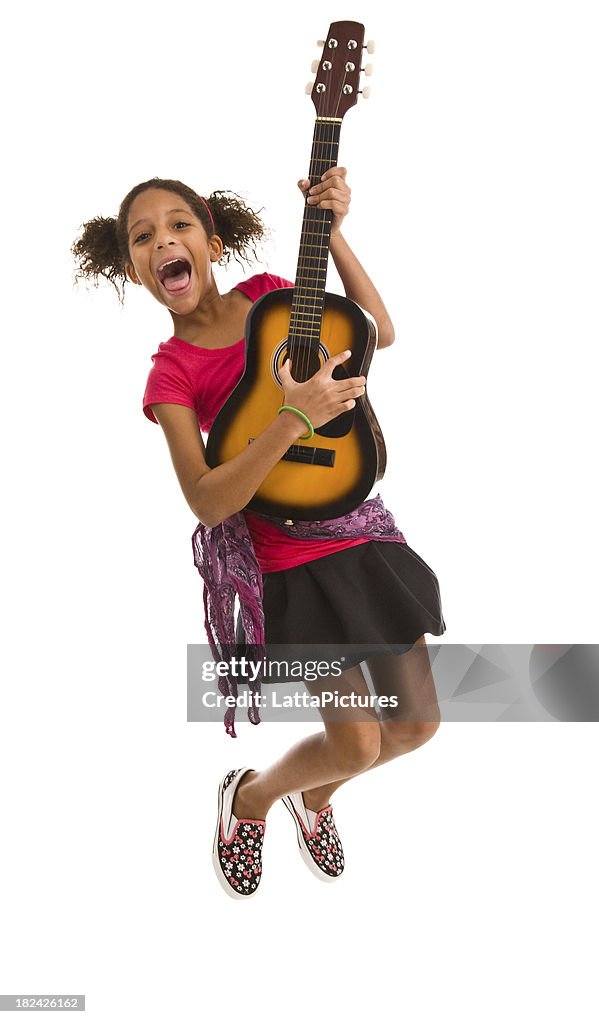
x: 209, y: 213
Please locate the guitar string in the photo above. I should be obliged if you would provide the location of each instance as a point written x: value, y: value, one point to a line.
x: 325, y: 134
x: 316, y: 220
x: 311, y: 303
x: 328, y: 158
x: 303, y: 289
x: 313, y: 220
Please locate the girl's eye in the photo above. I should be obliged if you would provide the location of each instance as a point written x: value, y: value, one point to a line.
x: 146, y: 234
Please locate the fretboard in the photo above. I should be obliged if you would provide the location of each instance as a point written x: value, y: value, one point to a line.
x: 310, y: 279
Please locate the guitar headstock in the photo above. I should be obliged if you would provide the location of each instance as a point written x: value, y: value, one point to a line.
x: 336, y: 87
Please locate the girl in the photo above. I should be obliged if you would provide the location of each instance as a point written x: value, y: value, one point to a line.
x: 345, y: 581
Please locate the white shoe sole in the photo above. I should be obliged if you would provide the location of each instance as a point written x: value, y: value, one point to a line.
x: 303, y: 849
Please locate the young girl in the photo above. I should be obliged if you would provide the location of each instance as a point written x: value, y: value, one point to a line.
x: 351, y: 581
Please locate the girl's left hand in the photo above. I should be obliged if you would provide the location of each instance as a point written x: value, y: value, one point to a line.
x: 333, y: 193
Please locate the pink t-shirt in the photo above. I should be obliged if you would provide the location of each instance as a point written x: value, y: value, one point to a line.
x: 202, y: 379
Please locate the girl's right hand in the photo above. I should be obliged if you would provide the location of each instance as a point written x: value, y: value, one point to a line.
x: 322, y: 398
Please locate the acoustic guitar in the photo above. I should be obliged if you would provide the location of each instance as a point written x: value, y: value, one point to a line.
x: 332, y: 473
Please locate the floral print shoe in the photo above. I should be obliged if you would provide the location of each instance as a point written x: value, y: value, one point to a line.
x: 237, y: 848
x: 317, y: 837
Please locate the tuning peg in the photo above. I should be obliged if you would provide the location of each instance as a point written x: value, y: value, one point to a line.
x: 367, y: 70
x: 370, y: 46
x: 309, y: 88
x: 365, y: 92
x: 315, y: 67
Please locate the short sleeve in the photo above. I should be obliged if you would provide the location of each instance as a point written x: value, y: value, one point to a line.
x: 167, y: 382
x: 260, y: 284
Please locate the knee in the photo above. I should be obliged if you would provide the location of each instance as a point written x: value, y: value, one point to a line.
x: 357, y: 748
x: 400, y: 737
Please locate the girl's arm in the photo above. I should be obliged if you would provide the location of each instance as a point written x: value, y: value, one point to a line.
x: 333, y: 193
x: 217, y: 493
x: 360, y: 288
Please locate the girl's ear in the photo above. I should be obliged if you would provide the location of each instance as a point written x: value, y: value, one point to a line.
x: 130, y: 272
x: 215, y: 245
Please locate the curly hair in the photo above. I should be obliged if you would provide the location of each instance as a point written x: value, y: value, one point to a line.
x: 102, y: 248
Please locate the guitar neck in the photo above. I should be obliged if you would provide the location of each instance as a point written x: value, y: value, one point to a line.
x: 311, y: 276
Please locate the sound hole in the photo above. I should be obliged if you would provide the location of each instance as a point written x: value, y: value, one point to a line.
x: 306, y: 363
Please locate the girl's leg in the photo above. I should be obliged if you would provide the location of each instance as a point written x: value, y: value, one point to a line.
x: 350, y: 743
x: 407, y: 678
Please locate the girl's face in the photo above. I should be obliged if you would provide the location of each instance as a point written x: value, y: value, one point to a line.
x: 170, y: 252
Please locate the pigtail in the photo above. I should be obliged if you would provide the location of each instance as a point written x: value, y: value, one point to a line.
x: 97, y: 254
x: 240, y: 227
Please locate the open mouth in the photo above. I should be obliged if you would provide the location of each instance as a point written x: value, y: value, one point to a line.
x: 174, y: 275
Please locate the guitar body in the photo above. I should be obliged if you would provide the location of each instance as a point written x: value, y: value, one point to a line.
x: 330, y: 474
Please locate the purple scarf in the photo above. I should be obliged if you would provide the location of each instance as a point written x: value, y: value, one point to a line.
x: 225, y: 559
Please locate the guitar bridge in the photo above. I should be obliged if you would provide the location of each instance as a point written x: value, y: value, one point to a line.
x: 308, y: 455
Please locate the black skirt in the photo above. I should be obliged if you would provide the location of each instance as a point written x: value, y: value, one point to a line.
x: 379, y: 596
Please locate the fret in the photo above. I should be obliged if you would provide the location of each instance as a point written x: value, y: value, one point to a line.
x: 317, y: 286
x: 305, y: 299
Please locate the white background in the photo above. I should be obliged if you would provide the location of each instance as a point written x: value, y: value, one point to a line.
x: 469, y: 890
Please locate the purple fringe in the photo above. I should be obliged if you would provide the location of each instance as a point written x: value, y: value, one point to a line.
x: 225, y: 559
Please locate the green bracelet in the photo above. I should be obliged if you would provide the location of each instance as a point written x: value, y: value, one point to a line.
x: 302, y: 437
